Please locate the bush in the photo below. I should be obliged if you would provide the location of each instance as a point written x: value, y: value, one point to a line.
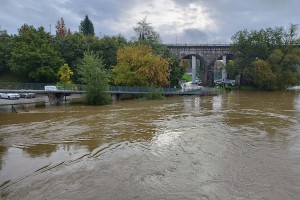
x: 155, y: 93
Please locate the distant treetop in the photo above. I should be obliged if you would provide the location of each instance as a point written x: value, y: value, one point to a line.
x: 86, y: 27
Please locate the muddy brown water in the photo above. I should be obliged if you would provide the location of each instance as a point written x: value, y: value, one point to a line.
x: 237, y: 145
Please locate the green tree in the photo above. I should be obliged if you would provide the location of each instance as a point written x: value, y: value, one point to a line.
x: 286, y: 66
x: 94, y: 76
x: 264, y: 77
x: 176, y: 71
x: 35, y: 56
x: 86, y: 27
x: 108, y: 48
x: 72, y: 48
x: 5, y: 51
x: 248, y: 46
x: 276, y: 51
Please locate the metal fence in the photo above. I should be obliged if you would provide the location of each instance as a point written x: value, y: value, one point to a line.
x: 38, y: 86
x: 112, y: 89
x: 141, y: 89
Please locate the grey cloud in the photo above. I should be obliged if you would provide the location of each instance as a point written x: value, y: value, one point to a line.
x: 190, y: 36
x: 234, y: 15
x: 46, y: 12
x: 196, y: 36
x: 230, y: 16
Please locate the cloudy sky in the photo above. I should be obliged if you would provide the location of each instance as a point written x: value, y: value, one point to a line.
x: 181, y: 21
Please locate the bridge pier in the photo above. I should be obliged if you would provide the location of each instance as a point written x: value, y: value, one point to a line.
x: 193, y: 69
x: 116, y: 96
x: 224, y: 71
x: 56, y: 98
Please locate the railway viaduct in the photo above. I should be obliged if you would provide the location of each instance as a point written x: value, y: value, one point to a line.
x: 207, y: 54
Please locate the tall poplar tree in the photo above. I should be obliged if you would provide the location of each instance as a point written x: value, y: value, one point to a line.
x: 86, y: 27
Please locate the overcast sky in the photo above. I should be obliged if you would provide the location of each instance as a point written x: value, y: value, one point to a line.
x: 181, y: 21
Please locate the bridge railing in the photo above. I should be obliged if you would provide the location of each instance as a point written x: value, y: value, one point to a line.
x: 38, y: 86
x: 199, y: 45
x: 41, y: 86
x: 112, y: 89
x: 195, y: 90
x: 139, y: 89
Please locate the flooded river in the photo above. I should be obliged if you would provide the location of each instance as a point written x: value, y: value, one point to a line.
x: 237, y: 145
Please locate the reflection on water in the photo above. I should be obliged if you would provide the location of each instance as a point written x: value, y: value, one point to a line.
x: 238, y: 145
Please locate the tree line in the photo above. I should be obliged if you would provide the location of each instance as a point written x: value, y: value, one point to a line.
x: 268, y: 59
x: 34, y: 55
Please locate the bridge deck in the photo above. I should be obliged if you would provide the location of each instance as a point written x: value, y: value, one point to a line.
x: 121, y: 90
x: 41, y: 91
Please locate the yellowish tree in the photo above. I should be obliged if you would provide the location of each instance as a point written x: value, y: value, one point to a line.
x: 138, y: 66
x: 65, y: 74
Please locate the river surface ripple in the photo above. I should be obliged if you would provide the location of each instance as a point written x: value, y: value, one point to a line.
x: 237, y: 145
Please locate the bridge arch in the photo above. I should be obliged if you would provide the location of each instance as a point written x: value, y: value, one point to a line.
x: 207, y: 53
x: 200, y: 65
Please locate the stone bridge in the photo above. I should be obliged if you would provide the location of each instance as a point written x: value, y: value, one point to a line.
x: 207, y: 54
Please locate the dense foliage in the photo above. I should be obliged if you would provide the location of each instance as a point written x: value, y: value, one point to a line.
x: 94, y: 76
x: 6, y: 42
x: 72, y: 48
x: 268, y: 59
x: 108, y: 48
x: 138, y: 66
x: 34, y: 55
